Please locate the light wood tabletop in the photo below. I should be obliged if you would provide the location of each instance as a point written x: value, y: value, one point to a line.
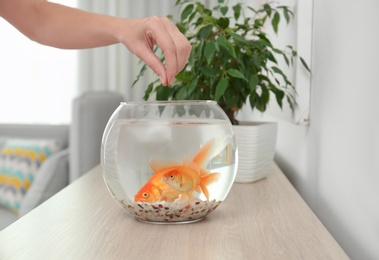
x: 262, y: 220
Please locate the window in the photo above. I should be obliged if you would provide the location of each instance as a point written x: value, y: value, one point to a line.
x: 37, y: 83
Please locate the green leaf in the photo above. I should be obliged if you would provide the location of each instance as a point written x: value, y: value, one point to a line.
x: 223, y: 22
x: 261, y: 101
x: 271, y: 57
x: 216, y: 46
x: 277, y: 51
x: 209, y: 72
x: 277, y: 70
x: 252, y: 9
x: 280, y: 72
x: 275, y: 22
x: 286, y: 15
x: 192, y: 87
x: 236, y: 74
x: 257, y: 62
x: 305, y: 64
x: 267, y: 8
x: 224, y: 9
x: 205, y: 31
x: 292, y: 103
x: 182, y: 93
x: 187, y: 11
x: 148, y: 91
x: 184, y: 76
x: 163, y: 93
x: 279, y: 94
x: 286, y: 59
x: 209, y: 51
x: 227, y: 45
x: 182, y: 28
x: 210, y: 19
x: 237, y: 11
x: 253, y: 82
x: 180, y: 2
x: 190, y: 18
x: 264, y: 40
x: 229, y: 31
x: 192, y: 58
x: 253, y: 100
x: 140, y: 74
x: 199, y: 51
x: 265, y: 96
x: 221, y: 87
x: 239, y: 38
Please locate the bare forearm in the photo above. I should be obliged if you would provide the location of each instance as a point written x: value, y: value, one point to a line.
x: 69, y: 28
x: 61, y: 26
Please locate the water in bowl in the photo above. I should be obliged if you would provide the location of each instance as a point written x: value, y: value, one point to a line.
x: 137, y: 150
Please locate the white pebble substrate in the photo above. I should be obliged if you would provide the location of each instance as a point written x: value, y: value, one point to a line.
x: 178, y: 211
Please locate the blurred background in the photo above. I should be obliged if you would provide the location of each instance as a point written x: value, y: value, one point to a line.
x: 332, y: 159
x: 38, y: 83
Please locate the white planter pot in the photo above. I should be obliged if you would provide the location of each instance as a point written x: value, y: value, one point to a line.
x: 256, y: 143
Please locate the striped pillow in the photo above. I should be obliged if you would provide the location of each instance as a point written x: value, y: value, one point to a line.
x: 20, y: 160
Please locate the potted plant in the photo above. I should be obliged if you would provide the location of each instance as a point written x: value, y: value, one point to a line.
x: 232, y: 60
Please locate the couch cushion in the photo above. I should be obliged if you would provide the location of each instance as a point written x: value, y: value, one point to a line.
x: 51, y: 178
x: 3, y: 140
x: 20, y: 160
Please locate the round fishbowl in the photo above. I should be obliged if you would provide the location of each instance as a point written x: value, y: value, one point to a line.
x: 169, y: 161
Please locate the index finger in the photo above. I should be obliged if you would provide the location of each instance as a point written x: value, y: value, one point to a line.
x: 174, y: 45
x: 183, y: 47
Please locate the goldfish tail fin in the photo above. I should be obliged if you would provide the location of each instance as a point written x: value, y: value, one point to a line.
x: 159, y: 164
x: 191, y: 196
x: 206, y: 180
x: 205, y: 190
x: 211, y: 149
x: 203, y: 155
x: 198, y: 189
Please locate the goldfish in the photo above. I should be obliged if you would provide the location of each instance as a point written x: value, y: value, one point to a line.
x: 190, y: 177
x: 153, y: 192
x: 173, y: 181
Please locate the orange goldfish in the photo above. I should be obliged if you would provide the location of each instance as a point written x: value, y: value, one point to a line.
x: 190, y: 177
x: 175, y: 181
x: 151, y: 193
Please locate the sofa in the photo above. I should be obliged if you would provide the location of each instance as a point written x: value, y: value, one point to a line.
x: 76, y: 150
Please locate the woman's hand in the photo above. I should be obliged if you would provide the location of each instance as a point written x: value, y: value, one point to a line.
x: 141, y: 36
x: 69, y: 28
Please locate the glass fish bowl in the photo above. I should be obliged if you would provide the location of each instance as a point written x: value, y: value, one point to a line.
x: 169, y: 161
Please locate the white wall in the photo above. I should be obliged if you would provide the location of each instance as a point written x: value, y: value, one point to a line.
x: 334, y: 162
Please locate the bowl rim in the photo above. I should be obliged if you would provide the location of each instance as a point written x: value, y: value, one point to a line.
x: 169, y: 102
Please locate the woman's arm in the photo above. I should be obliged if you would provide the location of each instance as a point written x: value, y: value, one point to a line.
x: 69, y: 28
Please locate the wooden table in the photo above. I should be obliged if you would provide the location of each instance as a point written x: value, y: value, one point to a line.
x: 262, y: 220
